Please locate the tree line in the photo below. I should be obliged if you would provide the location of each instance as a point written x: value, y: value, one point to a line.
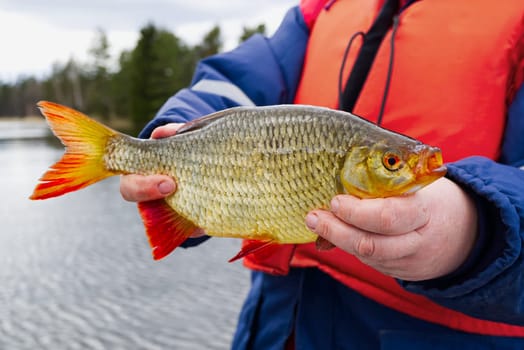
x: 159, y: 65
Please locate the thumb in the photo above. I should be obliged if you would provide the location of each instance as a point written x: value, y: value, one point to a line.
x: 139, y: 188
x: 165, y: 130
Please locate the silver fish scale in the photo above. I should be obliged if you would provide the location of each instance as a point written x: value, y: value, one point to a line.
x: 252, y: 173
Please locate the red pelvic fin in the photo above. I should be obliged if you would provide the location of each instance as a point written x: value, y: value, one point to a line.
x: 323, y: 244
x: 263, y: 249
x: 165, y: 228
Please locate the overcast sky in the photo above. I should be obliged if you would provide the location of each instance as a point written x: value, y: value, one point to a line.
x: 36, y: 33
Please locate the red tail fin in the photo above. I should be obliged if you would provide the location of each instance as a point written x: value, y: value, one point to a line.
x: 82, y: 164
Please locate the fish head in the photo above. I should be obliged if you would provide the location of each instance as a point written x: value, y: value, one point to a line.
x: 379, y: 170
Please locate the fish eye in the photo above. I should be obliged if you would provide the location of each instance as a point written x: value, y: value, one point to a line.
x: 392, y: 161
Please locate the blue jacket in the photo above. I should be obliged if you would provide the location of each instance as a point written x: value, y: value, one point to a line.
x: 324, y: 314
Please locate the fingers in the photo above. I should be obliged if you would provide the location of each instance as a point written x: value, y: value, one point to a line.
x: 377, y: 229
x: 415, y: 238
x: 363, y: 244
x: 138, y: 188
x: 165, y: 130
x: 389, y: 216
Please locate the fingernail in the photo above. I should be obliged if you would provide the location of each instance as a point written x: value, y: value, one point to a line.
x: 334, y: 205
x: 166, y: 187
x: 311, y: 221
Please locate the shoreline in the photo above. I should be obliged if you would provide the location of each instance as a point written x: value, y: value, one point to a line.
x: 29, y: 118
x: 18, y: 128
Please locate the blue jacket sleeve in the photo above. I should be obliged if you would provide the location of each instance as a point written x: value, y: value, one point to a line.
x: 491, y: 285
x: 265, y: 70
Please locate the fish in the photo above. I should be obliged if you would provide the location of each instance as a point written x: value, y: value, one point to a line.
x: 243, y: 172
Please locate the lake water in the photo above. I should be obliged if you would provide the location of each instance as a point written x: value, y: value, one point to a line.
x: 76, y: 272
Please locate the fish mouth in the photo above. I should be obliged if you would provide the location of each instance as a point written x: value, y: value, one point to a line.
x: 429, y: 168
x: 431, y: 165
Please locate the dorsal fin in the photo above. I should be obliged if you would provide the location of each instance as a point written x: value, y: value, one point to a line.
x: 201, y: 122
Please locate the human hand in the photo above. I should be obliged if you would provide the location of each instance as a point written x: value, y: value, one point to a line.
x: 417, y: 237
x: 139, y: 188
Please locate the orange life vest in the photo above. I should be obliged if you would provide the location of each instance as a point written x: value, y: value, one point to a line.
x: 456, y: 67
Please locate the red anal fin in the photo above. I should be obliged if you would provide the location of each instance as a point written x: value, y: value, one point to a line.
x: 263, y: 249
x: 165, y: 228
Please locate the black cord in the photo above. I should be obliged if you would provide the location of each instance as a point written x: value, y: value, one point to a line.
x: 372, y: 41
x: 343, y: 65
x: 390, y: 70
